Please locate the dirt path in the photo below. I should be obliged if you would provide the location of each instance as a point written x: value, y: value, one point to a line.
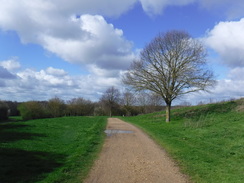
x: 130, y: 156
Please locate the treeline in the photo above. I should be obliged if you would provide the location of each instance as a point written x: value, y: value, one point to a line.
x: 111, y: 103
x: 55, y: 107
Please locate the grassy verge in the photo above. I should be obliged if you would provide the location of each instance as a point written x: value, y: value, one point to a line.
x: 206, y: 141
x: 49, y: 150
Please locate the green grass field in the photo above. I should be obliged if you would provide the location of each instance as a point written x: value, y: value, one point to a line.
x: 206, y: 141
x: 49, y: 150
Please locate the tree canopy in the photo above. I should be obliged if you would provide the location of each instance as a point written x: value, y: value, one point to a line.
x: 171, y: 65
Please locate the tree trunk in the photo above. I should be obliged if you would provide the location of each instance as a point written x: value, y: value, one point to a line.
x: 168, y: 108
x: 110, y: 112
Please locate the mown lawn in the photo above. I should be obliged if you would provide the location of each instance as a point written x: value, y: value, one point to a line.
x: 206, y: 141
x: 49, y: 150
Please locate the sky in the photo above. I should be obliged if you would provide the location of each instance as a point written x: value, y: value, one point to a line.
x: 79, y: 48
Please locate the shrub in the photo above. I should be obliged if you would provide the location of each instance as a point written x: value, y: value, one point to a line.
x: 3, y: 111
x: 80, y: 107
x: 13, y: 108
x: 56, y: 107
x: 33, y: 110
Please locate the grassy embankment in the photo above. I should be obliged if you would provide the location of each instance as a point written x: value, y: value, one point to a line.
x: 49, y: 150
x: 206, y: 141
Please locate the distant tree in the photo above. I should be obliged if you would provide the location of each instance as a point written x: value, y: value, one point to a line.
x: 3, y: 111
x: 33, y: 110
x: 149, y: 101
x: 111, y: 99
x: 56, y: 107
x: 142, y: 100
x: 128, y: 99
x: 13, y: 107
x: 80, y: 107
x: 155, y: 103
x: 171, y: 65
x: 99, y: 109
x: 185, y: 103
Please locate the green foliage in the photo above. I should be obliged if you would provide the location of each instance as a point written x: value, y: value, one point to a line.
x: 33, y: 110
x: 56, y: 107
x: 3, y: 111
x: 13, y: 108
x: 130, y: 110
x: 80, y: 107
x: 206, y: 141
x: 50, y: 150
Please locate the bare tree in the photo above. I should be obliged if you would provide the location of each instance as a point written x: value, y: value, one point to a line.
x: 171, y: 65
x: 149, y: 101
x: 156, y: 102
x: 128, y: 99
x: 111, y: 99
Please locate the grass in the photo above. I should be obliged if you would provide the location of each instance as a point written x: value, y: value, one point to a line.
x: 206, y: 141
x: 49, y: 150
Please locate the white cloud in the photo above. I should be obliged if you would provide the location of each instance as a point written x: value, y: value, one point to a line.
x: 78, y: 32
x: 63, y: 28
x: 11, y: 64
x: 102, y: 7
x: 28, y: 84
x: 156, y: 7
x: 237, y: 74
x: 102, y: 72
x: 226, y: 38
x: 231, y: 9
x: 230, y: 88
x: 226, y: 89
x: 100, y: 43
x: 56, y: 72
x: 5, y: 74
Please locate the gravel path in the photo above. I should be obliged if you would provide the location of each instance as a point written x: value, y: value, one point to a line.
x: 130, y: 156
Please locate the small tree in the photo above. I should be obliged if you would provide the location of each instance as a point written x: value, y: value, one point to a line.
x: 111, y: 99
x: 171, y: 65
x: 56, y: 107
x: 33, y: 110
x: 128, y: 100
x: 80, y: 107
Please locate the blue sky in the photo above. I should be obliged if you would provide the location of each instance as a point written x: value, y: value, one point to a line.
x: 79, y: 48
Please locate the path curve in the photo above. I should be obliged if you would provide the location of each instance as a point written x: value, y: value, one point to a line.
x: 132, y: 158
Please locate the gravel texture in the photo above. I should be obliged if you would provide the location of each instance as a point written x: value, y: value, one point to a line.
x: 130, y: 156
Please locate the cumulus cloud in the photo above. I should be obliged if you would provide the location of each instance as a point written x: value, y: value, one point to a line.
x: 99, y: 43
x: 29, y: 84
x: 11, y: 64
x: 226, y: 38
x: 63, y: 28
x: 225, y: 89
x: 5, y: 74
x: 77, y: 31
x: 56, y: 72
x: 237, y: 74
